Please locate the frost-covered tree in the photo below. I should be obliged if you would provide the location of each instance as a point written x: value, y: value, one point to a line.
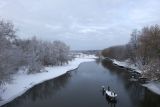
x: 62, y: 51
x: 31, y: 51
x: 133, y: 46
x: 33, y: 54
x: 39, y: 53
x: 10, y: 54
x: 143, y: 50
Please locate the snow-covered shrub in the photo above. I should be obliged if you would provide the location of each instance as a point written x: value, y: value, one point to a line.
x: 152, y: 70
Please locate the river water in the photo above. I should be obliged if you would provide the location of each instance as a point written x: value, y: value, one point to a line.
x: 82, y: 88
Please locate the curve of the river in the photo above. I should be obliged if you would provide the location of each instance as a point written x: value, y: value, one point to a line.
x: 82, y: 88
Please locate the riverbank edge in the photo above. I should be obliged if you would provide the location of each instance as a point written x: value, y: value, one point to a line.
x: 153, y: 86
x: 6, y: 97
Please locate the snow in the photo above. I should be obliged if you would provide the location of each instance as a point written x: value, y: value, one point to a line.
x: 153, y: 86
x: 22, y: 82
x: 127, y: 65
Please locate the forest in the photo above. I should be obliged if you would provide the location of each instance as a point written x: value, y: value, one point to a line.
x: 143, y: 50
x: 31, y: 54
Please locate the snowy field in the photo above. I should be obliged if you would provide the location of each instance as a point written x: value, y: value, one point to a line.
x: 22, y: 82
x: 154, y: 86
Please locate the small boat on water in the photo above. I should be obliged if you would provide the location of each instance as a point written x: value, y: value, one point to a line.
x: 110, y: 94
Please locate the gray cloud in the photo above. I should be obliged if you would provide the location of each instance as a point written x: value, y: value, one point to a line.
x: 83, y: 24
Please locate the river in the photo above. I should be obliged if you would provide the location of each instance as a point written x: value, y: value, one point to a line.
x: 82, y: 88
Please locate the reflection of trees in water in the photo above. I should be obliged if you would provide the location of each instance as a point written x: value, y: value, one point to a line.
x: 137, y: 93
x: 150, y: 100
x: 110, y: 102
x: 98, y: 61
x: 48, y: 88
x: 42, y: 91
x: 115, y: 69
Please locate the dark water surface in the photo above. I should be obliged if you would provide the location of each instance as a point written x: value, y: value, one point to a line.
x: 82, y: 88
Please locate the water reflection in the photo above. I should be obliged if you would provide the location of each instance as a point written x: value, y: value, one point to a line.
x: 111, y: 103
x: 81, y: 88
x: 41, y: 91
x: 115, y: 69
x: 140, y: 96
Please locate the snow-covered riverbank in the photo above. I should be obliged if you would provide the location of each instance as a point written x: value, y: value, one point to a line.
x: 22, y: 82
x: 127, y: 65
x: 154, y: 86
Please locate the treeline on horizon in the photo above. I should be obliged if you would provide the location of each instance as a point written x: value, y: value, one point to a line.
x: 143, y: 50
x: 31, y: 54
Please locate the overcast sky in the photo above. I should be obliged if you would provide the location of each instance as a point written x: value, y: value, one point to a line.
x: 82, y: 24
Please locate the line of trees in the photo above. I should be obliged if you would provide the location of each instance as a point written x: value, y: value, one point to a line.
x: 115, y: 52
x: 32, y: 54
x: 143, y: 50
